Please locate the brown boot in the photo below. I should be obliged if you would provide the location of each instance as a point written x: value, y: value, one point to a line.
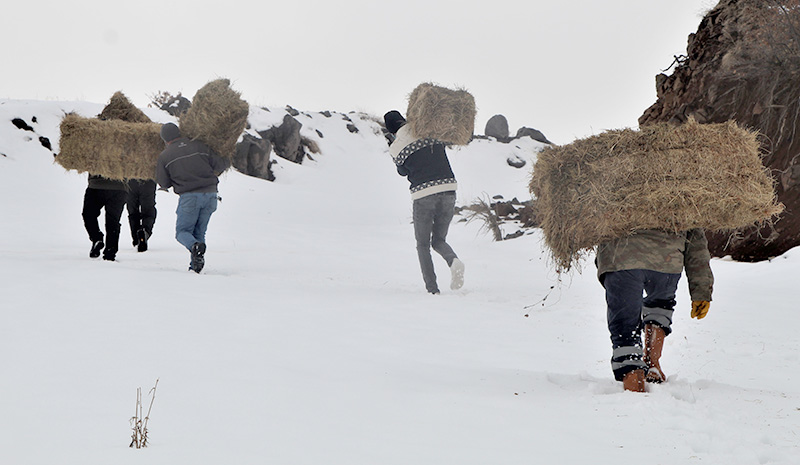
x: 634, y: 381
x: 653, y: 344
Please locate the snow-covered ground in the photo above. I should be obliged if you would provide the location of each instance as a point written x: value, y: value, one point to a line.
x: 309, y: 338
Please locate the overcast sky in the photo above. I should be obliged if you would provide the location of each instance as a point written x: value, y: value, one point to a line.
x: 567, y: 68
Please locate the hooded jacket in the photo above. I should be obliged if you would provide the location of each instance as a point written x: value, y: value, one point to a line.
x: 189, y: 166
x: 424, y: 162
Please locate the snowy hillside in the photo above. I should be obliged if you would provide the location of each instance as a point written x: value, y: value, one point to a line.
x: 309, y: 337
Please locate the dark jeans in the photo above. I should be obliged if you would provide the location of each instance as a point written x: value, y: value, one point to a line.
x: 432, y: 216
x: 114, y: 202
x: 141, y: 205
x: 628, y: 311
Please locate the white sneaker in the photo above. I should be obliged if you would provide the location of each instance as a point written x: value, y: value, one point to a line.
x: 456, y: 274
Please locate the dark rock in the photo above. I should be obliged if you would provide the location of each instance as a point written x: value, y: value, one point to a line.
x: 176, y: 105
x: 292, y: 111
x: 352, y: 128
x: 534, y: 134
x: 326, y: 113
x: 497, y: 127
x: 45, y: 143
x: 21, y: 124
x: 286, y: 139
x: 319, y: 133
x: 252, y: 157
x: 516, y: 161
x: 504, y: 209
x: 527, y: 215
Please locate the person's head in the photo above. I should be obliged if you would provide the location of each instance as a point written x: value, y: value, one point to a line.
x: 170, y: 132
x: 394, y: 121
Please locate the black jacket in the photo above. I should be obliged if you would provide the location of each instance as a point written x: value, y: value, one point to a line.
x: 99, y: 182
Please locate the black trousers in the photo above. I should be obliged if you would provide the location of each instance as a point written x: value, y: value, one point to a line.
x: 114, y: 202
x: 141, y: 204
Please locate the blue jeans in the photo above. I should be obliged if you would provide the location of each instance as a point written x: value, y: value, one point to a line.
x: 194, y: 211
x: 629, y: 311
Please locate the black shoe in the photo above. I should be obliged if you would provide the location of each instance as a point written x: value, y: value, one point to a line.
x: 97, y: 246
x: 198, y: 259
x: 143, y: 236
x: 110, y: 254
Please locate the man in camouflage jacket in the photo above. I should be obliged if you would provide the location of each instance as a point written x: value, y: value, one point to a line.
x: 649, y: 263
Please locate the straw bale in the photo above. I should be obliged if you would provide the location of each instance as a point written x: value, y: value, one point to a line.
x: 111, y: 148
x: 120, y: 108
x: 661, y: 177
x: 217, y: 117
x: 441, y: 113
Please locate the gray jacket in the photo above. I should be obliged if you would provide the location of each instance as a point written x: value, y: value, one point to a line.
x: 189, y: 166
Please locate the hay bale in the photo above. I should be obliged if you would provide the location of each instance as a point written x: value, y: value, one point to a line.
x: 217, y: 117
x: 441, y: 113
x: 661, y: 177
x: 120, y: 108
x: 112, y: 148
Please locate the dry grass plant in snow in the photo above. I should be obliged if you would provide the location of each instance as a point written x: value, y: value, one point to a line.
x: 481, y: 210
x: 660, y: 177
x: 112, y: 148
x: 138, y: 422
x: 217, y: 117
x: 441, y: 113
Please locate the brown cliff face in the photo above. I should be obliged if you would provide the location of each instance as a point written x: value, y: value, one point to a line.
x: 743, y: 63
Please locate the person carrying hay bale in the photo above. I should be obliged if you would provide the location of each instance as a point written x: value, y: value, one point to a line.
x: 192, y: 169
x: 141, y: 205
x: 649, y: 262
x: 141, y: 199
x: 433, y: 191
x: 109, y: 194
x: 642, y: 199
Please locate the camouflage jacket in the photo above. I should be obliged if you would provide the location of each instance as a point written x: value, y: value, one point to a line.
x: 662, y: 251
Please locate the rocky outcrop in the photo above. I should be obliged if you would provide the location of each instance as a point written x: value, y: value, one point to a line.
x: 743, y: 63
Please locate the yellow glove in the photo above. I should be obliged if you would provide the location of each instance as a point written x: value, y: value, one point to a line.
x: 700, y: 308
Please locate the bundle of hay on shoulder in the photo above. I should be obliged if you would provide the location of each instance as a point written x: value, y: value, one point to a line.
x: 120, y: 108
x: 217, y: 117
x: 111, y: 148
x: 661, y: 177
x: 441, y: 113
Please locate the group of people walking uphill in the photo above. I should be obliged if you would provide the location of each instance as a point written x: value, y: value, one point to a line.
x: 190, y: 167
x: 639, y: 272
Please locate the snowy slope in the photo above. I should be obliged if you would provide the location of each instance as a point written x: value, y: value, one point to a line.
x: 309, y: 339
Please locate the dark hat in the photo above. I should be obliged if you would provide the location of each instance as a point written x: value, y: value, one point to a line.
x: 170, y: 132
x: 394, y: 121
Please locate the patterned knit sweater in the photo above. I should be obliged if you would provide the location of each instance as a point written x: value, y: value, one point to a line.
x: 424, y: 162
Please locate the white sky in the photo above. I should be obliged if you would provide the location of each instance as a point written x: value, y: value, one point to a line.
x: 570, y: 69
